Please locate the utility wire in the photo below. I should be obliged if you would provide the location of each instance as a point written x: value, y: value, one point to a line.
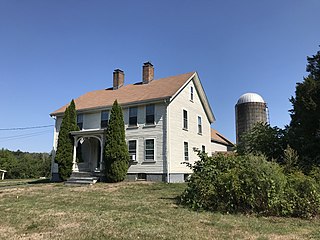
x: 22, y: 136
x: 25, y: 128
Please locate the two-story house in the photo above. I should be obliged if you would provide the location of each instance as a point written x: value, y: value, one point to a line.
x: 165, y: 120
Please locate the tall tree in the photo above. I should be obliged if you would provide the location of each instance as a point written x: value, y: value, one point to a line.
x: 64, y: 154
x: 116, y: 155
x: 264, y: 139
x: 304, y: 129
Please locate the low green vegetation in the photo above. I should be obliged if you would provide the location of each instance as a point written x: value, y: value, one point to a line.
x: 129, y: 211
x: 250, y: 184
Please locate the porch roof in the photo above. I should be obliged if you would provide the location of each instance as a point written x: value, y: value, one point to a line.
x: 87, y: 132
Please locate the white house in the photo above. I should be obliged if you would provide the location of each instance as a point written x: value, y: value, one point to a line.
x: 165, y: 120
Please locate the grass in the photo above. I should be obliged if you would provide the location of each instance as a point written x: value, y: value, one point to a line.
x: 129, y: 211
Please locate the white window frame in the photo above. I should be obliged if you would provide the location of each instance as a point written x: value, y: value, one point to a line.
x: 186, y: 156
x: 199, y: 126
x: 136, y: 155
x: 154, y: 149
x: 191, y: 93
x: 183, y: 125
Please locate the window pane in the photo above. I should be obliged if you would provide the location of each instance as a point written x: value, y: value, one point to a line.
x: 185, y: 119
x: 191, y: 93
x: 80, y: 121
x: 104, y: 115
x: 133, y: 112
x: 199, y: 125
x: 150, y: 109
x: 149, y: 149
x: 186, y: 151
x: 150, y: 114
x: 132, y: 146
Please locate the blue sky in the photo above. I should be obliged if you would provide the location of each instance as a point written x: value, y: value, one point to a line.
x: 53, y: 51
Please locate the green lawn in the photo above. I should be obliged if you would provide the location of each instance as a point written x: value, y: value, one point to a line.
x: 128, y: 211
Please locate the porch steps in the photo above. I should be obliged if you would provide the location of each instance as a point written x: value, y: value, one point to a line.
x: 82, y: 178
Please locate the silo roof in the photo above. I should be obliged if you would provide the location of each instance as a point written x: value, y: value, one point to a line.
x: 250, y: 97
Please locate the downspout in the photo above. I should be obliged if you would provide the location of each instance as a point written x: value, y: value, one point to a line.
x: 167, y: 142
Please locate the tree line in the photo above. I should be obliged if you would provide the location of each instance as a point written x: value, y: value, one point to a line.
x: 20, y: 164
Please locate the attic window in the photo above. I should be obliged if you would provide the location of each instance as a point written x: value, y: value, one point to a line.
x: 191, y: 94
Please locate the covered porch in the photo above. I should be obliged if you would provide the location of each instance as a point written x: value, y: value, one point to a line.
x: 88, y: 151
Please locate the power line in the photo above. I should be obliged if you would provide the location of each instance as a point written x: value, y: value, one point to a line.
x: 22, y: 136
x: 25, y: 128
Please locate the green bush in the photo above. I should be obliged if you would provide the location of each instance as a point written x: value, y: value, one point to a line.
x: 249, y: 184
x: 302, y: 196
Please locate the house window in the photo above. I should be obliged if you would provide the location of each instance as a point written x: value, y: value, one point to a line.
x: 80, y: 121
x: 149, y: 150
x: 185, y: 119
x: 132, y: 146
x: 133, y: 119
x: 203, y: 148
x: 191, y: 93
x: 150, y: 114
x: 104, y: 119
x: 199, y: 125
x: 186, y: 151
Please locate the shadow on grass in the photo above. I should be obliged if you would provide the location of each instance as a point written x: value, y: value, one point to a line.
x: 39, y: 181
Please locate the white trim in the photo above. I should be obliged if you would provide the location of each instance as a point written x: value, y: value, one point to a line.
x: 200, y: 133
x: 154, y: 149
x: 186, y: 129
x: 202, y: 95
x: 137, y: 149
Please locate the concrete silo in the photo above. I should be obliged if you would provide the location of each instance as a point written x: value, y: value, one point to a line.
x: 250, y: 109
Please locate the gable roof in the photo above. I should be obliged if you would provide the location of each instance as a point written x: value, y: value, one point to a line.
x: 219, y: 138
x: 164, y: 88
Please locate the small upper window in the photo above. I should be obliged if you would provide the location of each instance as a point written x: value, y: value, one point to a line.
x: 104, y: 119
x: 80, y: 121
x: 185, y: 119
x: 133, y: 116
x: 191, y: 93
x: 199, y: 125
x: 150, y: 114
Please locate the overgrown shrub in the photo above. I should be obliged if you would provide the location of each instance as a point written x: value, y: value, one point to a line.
x: 249, y: 184
x: 302, y: 196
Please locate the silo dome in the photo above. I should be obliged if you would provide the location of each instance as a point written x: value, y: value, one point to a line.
x: 250, y: 109
x: 250, y: 97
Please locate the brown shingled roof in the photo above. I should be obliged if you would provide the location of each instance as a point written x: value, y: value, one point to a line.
x: 131, y: 93
x: 217, y: 137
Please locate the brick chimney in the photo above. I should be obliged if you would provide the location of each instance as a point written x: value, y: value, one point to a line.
x: 118, y: 79
x: 147, y: 72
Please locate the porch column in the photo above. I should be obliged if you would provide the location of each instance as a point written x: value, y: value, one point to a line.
x: 74, y: 153
x: 101, y: 153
